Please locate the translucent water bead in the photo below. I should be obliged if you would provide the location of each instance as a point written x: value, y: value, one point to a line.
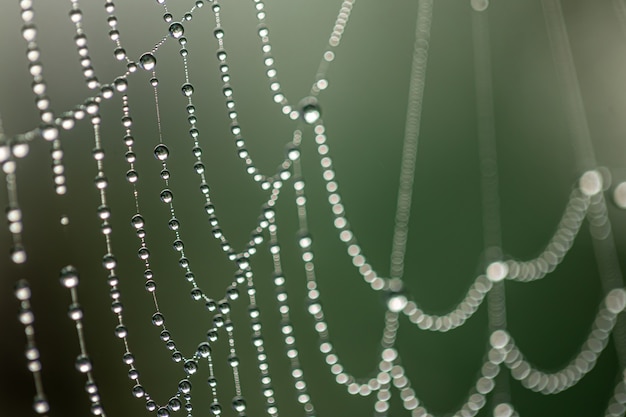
x: 619, y: 195
x: 176, y: 30
x: 480, y: 5
x: 147, y: 62
x: 591, y: 183
x: 310, y: 110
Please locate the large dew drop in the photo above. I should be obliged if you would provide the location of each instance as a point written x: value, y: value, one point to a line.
x: 310, y: 110
x: 161, y: 152
x: 147, y: 61
x: 176, y: 30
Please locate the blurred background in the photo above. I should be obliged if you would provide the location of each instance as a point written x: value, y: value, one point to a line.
x: 364, y: 109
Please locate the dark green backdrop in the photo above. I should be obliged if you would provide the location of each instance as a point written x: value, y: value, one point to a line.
x: 364, y: 109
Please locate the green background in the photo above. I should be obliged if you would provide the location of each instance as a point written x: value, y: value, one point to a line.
x: 364, y: 110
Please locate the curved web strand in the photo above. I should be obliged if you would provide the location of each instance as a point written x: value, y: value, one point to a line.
x: 597, y: 340
x: 600, y: 226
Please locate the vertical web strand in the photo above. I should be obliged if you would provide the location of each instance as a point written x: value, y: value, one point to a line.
x: 411, y: 136
x: 492, y: 227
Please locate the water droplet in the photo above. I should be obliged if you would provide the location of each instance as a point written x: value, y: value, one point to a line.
x: 499, y: 339
x: 22, y: 290
x: 204, y: 349
x: 165, y: 174
x: 137, y: 221
x: 196, y: 294
x: 184, y: 386
x: 304, y: 240
x: 199, y: 168
x: 190, y: 367
x: 120, y: 331
x: 187, y: 89
x: 163, y: 412
x: 26, y: 316
x: 108, y: 261
x: 233, y: 360
x: 232, y: 293
x: 293, y: 152
x: 147, y: 61
x: 40, y: 405
x: 158, y: 319
x: 101, y: 182
x: 224, y: 307
x: 65, y: 220
x: 218, y: 33
x: 310, y: 110
x: 161, y: 152
x: 215, y: 408
x: 150, y: 286
x: 212, y: 335
x: 503, y: 410
x: 396, y: 301
x: 480, y: 5
x: 18, y: 254
x: 591, y: 183
x: 132, y: 176
x: 178, y: 245
x: 239, y: 404
x: 75, y: 312
x: 167, y: 196
x: 151, y: 405
x: 497, y: 271
x: 143, y: 253
x: 176, y: 30
x: 69, y: 277
x: 174, y: 404
x: 83, y: 364
x: 619, y: 195
x: 138, y: 391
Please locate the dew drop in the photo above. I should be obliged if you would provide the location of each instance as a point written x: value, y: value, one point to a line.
x: 158, y: 319
x: 176, y: 30
x: 138, y: 391
x: 174, y: 224
x: 137, y: 221
x: 83, y: 364
x: 108, y: 261
x: 190, y: 367
x: 204, y: 350
x: 215, y: 408
x: 310, y: 110
x: 239, y: 404
x: 69, y: 276
x: 187, y: 89
x: 184, y: 386
x: 218, y: 33
x: 22, y: 290
x: 619, y: 195
x: 132, y: 176
x: 499, y: 339
x: 591, y: 183
x: 163, y: 412
x: 161, y: 152
x: 480, y: 5
x: 233, y: 360
x: 147, y: 61
x: 167, y: 196
x: 497, y: 271
x: 40, y: 405
x: 18, y: 254
x: 199, y: 168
